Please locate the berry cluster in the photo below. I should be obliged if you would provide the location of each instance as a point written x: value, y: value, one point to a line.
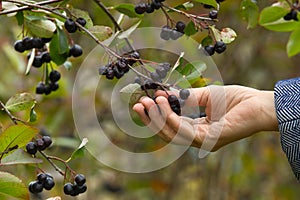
x: 43, y: 181
x: 219, y: 47
x: 142, y: 8
x: 52, y: 85
x: 168, y: 33
x: 70, y: 24
x: 39, y: 144
x: 29, y: 43
x: 79, y: 186
x: 119, y: 67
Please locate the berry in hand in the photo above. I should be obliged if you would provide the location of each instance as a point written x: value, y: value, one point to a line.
x: 80, y: 179
x: 81, y: 21
x: 184, y: 94
x: 31, y: 148
x: 174, y: 104
x: 19, y: 46
x: 54, y: 76
x: 213, y: 14
x: 75, y: 50
x: 70, y: 26
x: 220, y: 47
x: 210, y: 50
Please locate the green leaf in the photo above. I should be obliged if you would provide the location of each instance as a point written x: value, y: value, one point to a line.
x: 20, y: 102
x: 59, y: 47
x: 32, y: 115
x: 227, y: 35
x: 79, y: 152
x: 19, y: 157
x: 250, y: 12
x: 293, y: 45
x: 282, y: 26
x: 20, y: 18
x: 41, y: 28
x: 207, y: 41
x: 126, y: 34
x: 127, y: 9
x: 132, y: 92
x: 190, y: 29
x: 83, y: 14
x: 208, y: 2
x: 17, y: 135
x: 271, y: 14
x: 185, y: 6
x: 101, y: 32
x: 12, y: 186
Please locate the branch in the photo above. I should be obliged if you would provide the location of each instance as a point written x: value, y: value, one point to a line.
x: 28, y: 7
x: 13, y: 118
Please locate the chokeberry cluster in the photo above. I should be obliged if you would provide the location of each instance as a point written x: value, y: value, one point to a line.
x: 70, y: 24
x: 219, y: 47
x: 172, y: 33
x: 28, y: 43
x: 43, y: 181
x: 142, y: 8
x: 51, y: 85
x: 119, y: 67
x: 39, y: 144
x: 79, y: 186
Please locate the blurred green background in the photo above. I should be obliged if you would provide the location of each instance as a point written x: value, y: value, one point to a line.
x: 253, y: 168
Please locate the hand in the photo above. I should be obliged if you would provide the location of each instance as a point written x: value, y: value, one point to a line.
x: 232, y: 113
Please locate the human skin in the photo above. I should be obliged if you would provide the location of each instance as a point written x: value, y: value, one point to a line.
x: 232, y: 113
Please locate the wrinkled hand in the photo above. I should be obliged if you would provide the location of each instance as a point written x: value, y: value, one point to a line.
x: 232, y: 113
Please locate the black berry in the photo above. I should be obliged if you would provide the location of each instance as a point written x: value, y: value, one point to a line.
x: 28, y: 43
x: 180, y: 26
x: 47, y: 140
x: 54, y: 86
x: 35, y: 187
x: 41, y: 177
x: 40, y: 144
x: 46, y: 57
x: 213, y: 14
x: 155, y: 77
x: 172, y: 99
x: 210, y: 49
x: 19, y: 46
x: 54, y: 76
x: 137, y: 80
x: 220, y: 47
x: 165, y: 33
x: 82, y: 189
x: 161, y: 71
x: 37, y: 61
x: 292, y: 15
x: 47, y: 89
x: 140, y: 8
x: 102, y: 70
x: 150, y: 8
x: 156, y: 4
x: 31, y: 148
x: 68, y: 188
x: 70, y: 26
x: 184, y: 93
x: 174, y: 35
x: 48, y: 183
x: 166, y: 66
x: 81, y: 21
x: 37, y: 43
x: 40, y: 88
x: 76, y: 50
x: 80, y: 179
x: 46, y: 40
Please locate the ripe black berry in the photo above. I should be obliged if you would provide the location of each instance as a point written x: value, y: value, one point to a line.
x: 40, y: 144
x: 172, y: 99
x: 46, y: 40
x: 28, y: 43
x: 184, y: 93
x: 140, y: 8
x: 70, y: 26
x: 19, y: 46
x: 102, y: 70
x: 54, y: 76
x: 110, y: 74
x: 166, y: 66
x: 82, y: 189
x: 156, y: 4
x: 161, y: 71
x: 46, y: 57
x: 54, y: 86
x: 210, y: 49
x: 81, y: 21
x: 220, y: 47
x: 137, y: 80
x: 37, y: 61
x: 174, y: 35
x: 180, y: 26
x: 47, y: 140
x: 150, y: 8
x: 213, y: 14
x: 155, y: 77
x: 68, y: 188
x: 41, y: 177
x: 292, y: 15
x: 165, y: 33
x: 75, y: 50
x: 47, y: 89
x: 40, y: 88
x: 31, y: 148
x: 176, y: 109
x: 80, y: 179
x: 49, y: 183
x: 37, y: 43
x: 35, y: 187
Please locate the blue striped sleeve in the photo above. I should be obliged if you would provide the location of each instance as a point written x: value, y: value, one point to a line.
x: 287, y: 104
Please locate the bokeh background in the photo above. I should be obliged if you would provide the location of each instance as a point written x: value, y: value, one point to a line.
x: 253, y: 168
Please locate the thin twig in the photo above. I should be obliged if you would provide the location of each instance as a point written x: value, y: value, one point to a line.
x: 28, y: 7
x: 13, y: 118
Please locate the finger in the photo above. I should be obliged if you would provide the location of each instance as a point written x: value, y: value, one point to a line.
x: 140, y: 110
